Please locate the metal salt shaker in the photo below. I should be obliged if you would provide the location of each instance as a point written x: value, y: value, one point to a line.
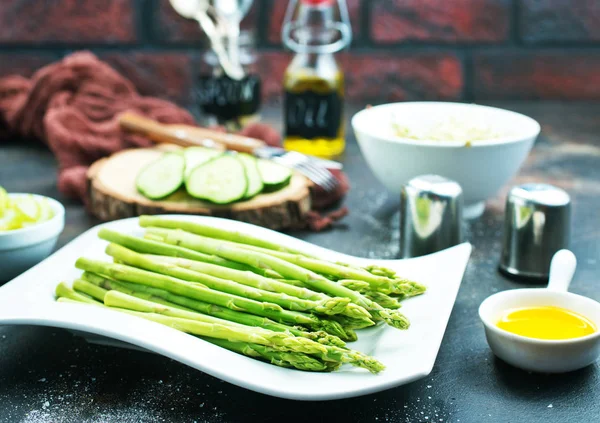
x: 430, y: 215
x: 537, y: 225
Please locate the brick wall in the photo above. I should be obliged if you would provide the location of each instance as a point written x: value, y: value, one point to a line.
x: 471, y: 50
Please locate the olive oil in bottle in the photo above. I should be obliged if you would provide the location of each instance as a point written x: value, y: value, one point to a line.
x: 313, y: 82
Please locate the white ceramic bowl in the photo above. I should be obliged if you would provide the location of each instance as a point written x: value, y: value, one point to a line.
x: 21, y: 249
x: 481, y: 168
x: 541, y: 355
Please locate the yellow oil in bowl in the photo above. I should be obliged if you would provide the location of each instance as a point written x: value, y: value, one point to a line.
x: 546, y: 322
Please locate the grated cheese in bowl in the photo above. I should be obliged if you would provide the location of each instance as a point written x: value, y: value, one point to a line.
x: 452, y: 128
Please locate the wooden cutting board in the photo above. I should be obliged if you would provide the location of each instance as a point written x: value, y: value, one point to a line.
x: 113, y: 195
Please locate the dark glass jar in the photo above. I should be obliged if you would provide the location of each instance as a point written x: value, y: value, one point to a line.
x: 226, y: 101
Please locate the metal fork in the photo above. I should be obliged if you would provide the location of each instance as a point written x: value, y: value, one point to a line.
x: 316, y: 173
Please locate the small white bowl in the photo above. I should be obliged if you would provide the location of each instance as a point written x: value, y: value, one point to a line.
x: 481, y: 168
x: 21, y: 249
x: 542, y: 355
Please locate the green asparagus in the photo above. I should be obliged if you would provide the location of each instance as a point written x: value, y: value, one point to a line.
x: 166, y: 298
x: 121, y: 300
x: 212, y: 232
x: 247, y: 278
x: 328, y: 306
x: 383, y: 300
x: 376, y: 282
x: 142, y: 245
x: 379, y: 278
x: 348, y: 323
x: 63, y: 290
x: 381, y: 271
x: 200, y: 292
x: 289, y: 270
x: 279, y: 340
x: 279, y: 358
x: 89, y: 289
x: 267, y: 284
x: 355, y: 285
x: 403, y: 289
x: 150, y: 245
x: 246, y: 294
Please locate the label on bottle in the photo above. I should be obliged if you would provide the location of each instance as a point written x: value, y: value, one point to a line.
x: 312, y: 115
x: 227, y: 98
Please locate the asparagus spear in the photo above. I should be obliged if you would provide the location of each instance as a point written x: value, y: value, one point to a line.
x: 372, y: 278
x: 90, y: 289
x: 212, y: 232
x: 381, y: 271
x: 142, y: 245
x: 246, y: 278
x: 404, y: 289
x: 166, y: 298
x: 121, y: 300
x: 279, y: 358
x: 376, y: 282
x: 299, y: 361
x: 149, y: 244
x: 410, y: 289
x: 327, y: 306
x: 267, y: 284
x: 294, y: 282
x: 279, y: 340
x: 200, y: 292
x: 379, y: 278
x: 383, y: 300
x: 63, y: 290
x: 355, y: 285
x: 289, y: 270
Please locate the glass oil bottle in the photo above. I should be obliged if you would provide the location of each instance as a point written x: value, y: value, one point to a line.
x: 314, y: 82
x: 223, y: 100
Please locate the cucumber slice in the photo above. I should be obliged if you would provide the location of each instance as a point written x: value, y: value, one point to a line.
x: 221, y: 181
x: 255, y: 183
x: 162, y: 177
x: 273, y: 175
x: 196, y: 156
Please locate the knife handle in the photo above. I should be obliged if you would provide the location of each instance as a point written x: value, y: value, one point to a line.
x: 233, y: 141
x: 186, y: 135
x: 154, y: 130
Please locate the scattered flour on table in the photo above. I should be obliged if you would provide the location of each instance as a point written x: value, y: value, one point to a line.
x: 145, y: 403
x: 67, y: 415
x: 420, y: 410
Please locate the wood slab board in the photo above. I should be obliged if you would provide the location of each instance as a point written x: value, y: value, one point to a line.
x: 113, y: 195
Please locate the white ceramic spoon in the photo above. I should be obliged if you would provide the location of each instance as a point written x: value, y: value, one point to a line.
x: 542, y: 355
x: 211, y: 23
x: 232, y: 12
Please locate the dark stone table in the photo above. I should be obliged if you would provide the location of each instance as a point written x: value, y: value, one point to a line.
x: 49, y: 375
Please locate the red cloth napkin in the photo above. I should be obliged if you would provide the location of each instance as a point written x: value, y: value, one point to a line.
x: 73, y: 106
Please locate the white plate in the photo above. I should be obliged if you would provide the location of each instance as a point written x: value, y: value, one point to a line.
x: 408, y: 355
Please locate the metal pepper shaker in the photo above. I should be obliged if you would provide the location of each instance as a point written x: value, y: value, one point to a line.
x: 431, y: 209
x: 537, y: 225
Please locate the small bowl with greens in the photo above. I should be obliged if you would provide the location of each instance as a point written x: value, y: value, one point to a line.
x: 30, y: 225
